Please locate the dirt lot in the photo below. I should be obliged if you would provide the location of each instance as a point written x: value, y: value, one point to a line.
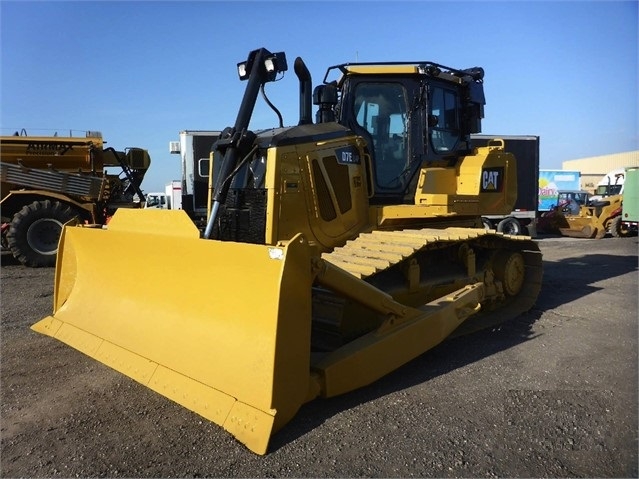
x: 550, y: 394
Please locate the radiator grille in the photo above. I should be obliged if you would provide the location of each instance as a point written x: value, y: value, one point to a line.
x: 243, y: 217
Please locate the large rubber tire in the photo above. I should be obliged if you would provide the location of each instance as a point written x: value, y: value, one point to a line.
x: 35, y: 231
x: 509, y: 226
x: 617, y: 228
x: 488, y: 225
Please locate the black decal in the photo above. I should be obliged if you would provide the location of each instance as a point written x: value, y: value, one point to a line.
x: 44, y: 148
x: 492, y: 180
x: 348, y: 156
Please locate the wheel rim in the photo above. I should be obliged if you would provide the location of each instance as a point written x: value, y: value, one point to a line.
x: 511, y: 229
x: 43, y: 235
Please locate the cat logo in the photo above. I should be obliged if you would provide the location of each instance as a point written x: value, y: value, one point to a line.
x: 492, y: 180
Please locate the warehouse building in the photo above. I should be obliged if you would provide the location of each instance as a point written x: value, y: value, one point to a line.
x: 595, y: 168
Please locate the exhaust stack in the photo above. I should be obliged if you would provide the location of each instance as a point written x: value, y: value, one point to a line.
x: 306, y: 86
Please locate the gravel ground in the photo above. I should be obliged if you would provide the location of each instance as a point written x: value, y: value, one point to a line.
x: 550, y: 394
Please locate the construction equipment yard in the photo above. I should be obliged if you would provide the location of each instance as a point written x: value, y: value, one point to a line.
x: 552, y: 393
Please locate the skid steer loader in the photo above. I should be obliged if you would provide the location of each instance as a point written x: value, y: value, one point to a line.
x: 335, y: 250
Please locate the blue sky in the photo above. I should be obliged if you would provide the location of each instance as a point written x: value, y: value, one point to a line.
x: 142, y: 71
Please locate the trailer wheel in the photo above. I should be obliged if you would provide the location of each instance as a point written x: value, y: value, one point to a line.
x: 487, y: 224
x: 509, y: 226
x: 35, y: 231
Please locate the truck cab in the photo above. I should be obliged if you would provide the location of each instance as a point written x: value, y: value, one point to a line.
x: 157, y: 200
x: 611, y: 184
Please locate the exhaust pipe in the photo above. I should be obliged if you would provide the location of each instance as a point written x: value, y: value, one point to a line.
x: 306, y: 85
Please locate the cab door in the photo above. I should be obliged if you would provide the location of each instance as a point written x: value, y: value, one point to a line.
x: 382, y: 111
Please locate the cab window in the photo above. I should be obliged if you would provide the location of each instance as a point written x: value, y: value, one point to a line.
x: 203, y: 167
x: 445, y: 134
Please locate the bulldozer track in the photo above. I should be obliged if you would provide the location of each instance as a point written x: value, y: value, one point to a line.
x: 373, y: 253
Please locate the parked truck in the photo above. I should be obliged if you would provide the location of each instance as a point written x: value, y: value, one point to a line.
x: 169, y: 199
x: 194, y: 148
x: 611, y: 184
x: 523, y: 219
x: 47, y: 181
x: 627, y: 223
x: 553, y: 181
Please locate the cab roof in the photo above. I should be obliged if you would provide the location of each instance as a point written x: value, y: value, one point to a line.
x: 425, y: 68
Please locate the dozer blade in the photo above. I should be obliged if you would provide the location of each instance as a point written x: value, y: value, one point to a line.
x: 220, y: 328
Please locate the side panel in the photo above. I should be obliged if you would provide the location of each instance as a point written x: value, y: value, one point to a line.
x: 62, y: 153
x: 336, y: 193
x: 318, y: 190
x: 631, y: 195
x: 482, y: 183
x: 526, y: 151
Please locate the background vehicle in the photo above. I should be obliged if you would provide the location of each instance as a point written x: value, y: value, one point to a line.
x: 335, y: 250
x: 49, y: 180
x: 170, y: 199
x: 576, y: 215
x: 568, y: 203
x: 551, y: 182
x: 194, y: 148
x: 594, y: 219
x: 523, y: 218
x: 581, y: 214
x: 611, y: 184
x: 627, y: 222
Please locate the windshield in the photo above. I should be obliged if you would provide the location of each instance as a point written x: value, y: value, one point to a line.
x: 608, y: 190
x: 155, y: 200
x: 578, y: 197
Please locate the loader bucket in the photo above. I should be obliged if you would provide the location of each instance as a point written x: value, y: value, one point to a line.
x: 578, y: 232
x: 220, y: 328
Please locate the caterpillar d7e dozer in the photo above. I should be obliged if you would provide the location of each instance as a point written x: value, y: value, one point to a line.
x: 335, y: 251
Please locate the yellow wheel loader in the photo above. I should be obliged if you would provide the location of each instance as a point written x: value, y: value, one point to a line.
x: 578, y: 217
x: 335, y: 250
x: 594, y: 220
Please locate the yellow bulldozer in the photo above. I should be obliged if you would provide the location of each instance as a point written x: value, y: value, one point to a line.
x: 335, y: 251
